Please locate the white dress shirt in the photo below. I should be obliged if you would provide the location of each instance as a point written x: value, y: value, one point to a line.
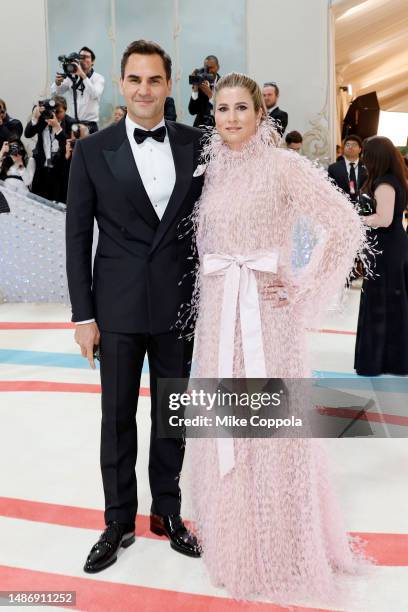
x: 154, y: 161
x: 49, y: 138
x: 88, y: 100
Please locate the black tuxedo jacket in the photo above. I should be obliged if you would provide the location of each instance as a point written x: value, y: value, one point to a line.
x: 140, y: 261
x: 281, y: 118
x: 338, y: 172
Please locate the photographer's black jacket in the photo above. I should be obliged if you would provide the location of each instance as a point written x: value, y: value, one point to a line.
x: 202, y: 107
x: 140, y: 260
x: 11, y: 128
x: 338, y: 173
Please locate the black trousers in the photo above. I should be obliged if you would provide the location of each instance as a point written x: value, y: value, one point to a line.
x: 122, y: 358
x: 47, y: 183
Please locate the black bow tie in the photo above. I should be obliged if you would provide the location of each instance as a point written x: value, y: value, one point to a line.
x: 141, y: 135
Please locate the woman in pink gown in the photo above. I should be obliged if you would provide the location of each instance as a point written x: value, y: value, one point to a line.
x: 269, y: 524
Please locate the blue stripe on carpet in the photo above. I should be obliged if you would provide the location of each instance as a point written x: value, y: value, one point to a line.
x: 48, y: 360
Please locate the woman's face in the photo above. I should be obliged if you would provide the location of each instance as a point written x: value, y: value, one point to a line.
x: 235, y: 116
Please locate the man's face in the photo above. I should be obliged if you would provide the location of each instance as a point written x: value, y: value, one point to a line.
x: 351, y: 150
x: 59, y: 112
x: 270, y: 97
x: 295, y: 146
x: 145, y: 89
x: 211, y: 66
x: 86, y: 61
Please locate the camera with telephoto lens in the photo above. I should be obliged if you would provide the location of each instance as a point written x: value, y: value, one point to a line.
x: 14, y: 149
x: 49, y: 108
x: 200, y: 75
x: 69, y: 63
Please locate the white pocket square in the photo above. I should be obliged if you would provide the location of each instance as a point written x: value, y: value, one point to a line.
x: 199, y: 170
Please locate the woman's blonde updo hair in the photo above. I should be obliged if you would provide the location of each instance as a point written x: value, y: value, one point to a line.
x: 237, y: 79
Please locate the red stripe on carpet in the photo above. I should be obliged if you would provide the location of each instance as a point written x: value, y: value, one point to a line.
x: 343, y: 332
x: 388, y: 549
x: 35, y: 325
x: 56, y: 387
x: 63, y: 325
x: 99, y: 595
x: 374, y: 417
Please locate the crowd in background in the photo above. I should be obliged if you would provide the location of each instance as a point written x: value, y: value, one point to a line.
x: 73, y: 112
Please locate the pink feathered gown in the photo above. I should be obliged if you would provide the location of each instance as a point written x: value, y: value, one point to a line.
x: 271, y: 526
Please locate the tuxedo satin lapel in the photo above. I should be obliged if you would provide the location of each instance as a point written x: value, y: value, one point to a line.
x: 183, y: 162
x: 122, y: 165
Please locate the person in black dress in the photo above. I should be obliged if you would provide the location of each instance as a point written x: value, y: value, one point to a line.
x: 382, y: 331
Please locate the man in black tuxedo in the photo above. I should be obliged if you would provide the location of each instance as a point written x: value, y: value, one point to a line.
x: 49, y: 153
x: 136, y: 178
x: 201, y: 96
x: 271, y: 96
x: 349, y: 172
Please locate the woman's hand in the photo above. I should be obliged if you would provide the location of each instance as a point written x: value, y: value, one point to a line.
x: 278, y: 292
x: 4, y: 149
x: 68, y: 148
x: 18, y: 160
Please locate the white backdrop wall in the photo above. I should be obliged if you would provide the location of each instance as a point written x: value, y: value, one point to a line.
x: 23, y: 51
x: 288, y: 42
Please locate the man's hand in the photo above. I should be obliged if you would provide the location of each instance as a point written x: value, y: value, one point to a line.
x: 87, y: 336
x: 53, y: 122
x: 206, y: 89
x: 80, y: 72
x: 59, y: 78
x: 37, y: 112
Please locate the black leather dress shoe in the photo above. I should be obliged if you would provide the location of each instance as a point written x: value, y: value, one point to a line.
x: 181, y: 539
x: 105, y: 552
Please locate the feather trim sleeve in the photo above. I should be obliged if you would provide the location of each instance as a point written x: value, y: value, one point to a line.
x: 342, y: 237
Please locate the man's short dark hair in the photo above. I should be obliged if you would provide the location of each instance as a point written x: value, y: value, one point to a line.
x: 93, y: 56
x: 293, y: 137
x: 145, y: 47
x: 354, y: 138
x: 60, y: 101
x: 213, y: 58
x: 272, y: 84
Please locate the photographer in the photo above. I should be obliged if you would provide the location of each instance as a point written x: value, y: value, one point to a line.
x: 203, y: 81
x: 16, y: 168
x: 52, y: 127
x: 9, y: 127
x: 82, y: 86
